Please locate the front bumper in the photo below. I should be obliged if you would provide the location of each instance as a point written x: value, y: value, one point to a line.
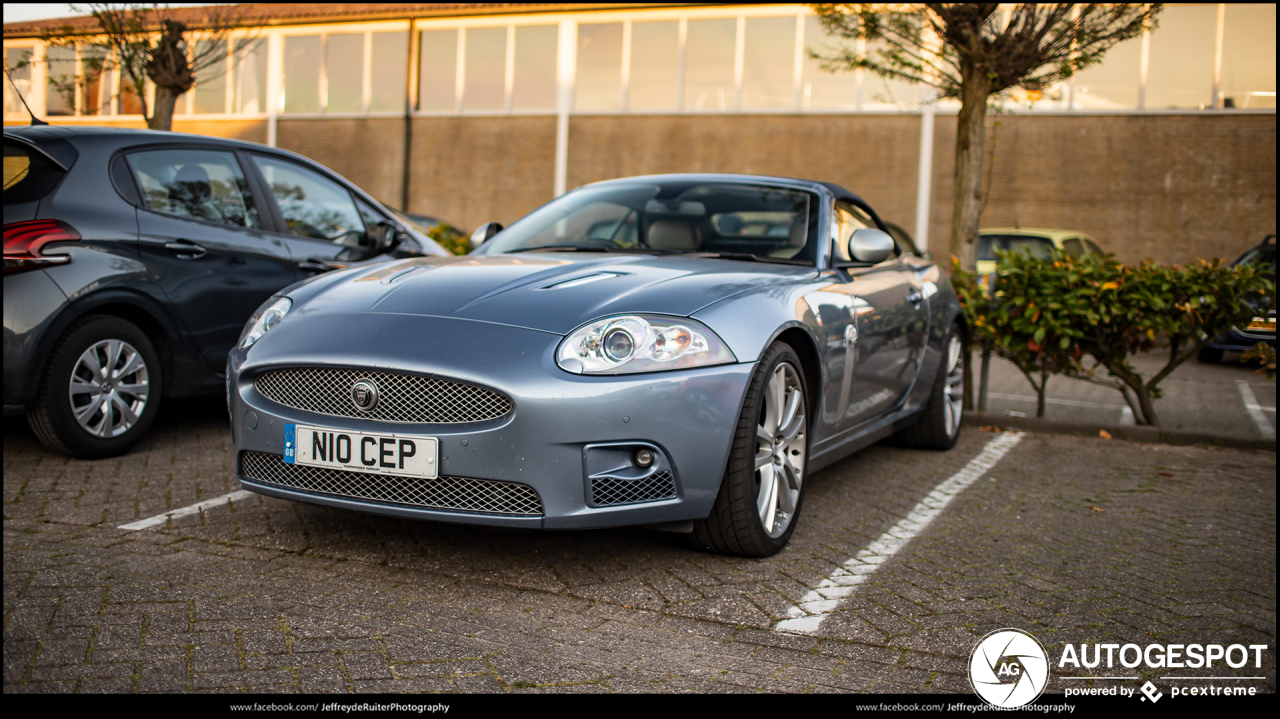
x: 563, y: 430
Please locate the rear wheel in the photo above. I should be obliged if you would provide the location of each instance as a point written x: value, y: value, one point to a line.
x: 939, y: 424
x: 100, y: 391
x: 759, y: 502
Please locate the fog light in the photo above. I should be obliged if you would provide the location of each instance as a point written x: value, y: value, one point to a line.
x: 644, y: 457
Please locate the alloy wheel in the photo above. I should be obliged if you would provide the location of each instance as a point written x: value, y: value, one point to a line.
x: 781, y: 445
x: 109, y: 387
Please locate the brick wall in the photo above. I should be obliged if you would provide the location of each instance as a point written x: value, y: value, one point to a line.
x: 368, y: 151
x: 472, y: 170
x: 1173, y: 188
x: 1170, y: 187
x: 875, y: 156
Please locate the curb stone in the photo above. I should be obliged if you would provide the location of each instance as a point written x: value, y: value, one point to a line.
x: 1154, y: 435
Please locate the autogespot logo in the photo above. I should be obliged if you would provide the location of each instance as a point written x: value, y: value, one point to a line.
x: 1008, y: 668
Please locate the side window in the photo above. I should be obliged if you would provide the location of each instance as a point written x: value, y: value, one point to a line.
x: 987, y: 246
x: 1037, y: 247
x: 313, y: 206
x: 1073, y: 247
x: 370, y: 218
x: 204, y: 185
x: 1092, y: 247
x: 847, y: 220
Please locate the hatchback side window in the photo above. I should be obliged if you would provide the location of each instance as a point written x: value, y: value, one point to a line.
x: 204, y: 185
x: 1073, y: 247
x: 313, y: 206
x: 1092, y: 247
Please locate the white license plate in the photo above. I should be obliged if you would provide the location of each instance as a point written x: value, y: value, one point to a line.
x: 400, y: 454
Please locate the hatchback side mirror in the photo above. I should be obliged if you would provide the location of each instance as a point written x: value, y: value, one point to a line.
x: 870, y: 245
x: 483, y: 233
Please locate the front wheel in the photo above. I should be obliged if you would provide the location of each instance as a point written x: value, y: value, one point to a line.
x: 939, y: 423
x: 759, y: 502
x: 100, y: 391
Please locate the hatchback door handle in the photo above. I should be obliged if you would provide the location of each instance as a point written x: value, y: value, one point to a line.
x: 318, y: 265
x: 186, y: 249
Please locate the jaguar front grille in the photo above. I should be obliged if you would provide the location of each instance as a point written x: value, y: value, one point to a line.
x: 454, y: 493
x: 400, y: 397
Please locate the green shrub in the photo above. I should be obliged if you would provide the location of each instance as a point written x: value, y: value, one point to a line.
x: 1047, y: 315
x: 450, y: 238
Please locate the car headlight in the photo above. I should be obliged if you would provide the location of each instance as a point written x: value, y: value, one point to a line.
x: 634, y: 343
x: 267, y: 316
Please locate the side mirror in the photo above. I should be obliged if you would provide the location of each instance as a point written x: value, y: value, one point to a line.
x: 387, y: 236
x: 870, y: 245
x: 483, y: 233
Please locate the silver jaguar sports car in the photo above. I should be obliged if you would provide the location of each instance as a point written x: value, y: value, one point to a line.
x: 679, y: 351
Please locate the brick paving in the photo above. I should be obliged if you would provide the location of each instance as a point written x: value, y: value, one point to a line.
x: 1074, y: 540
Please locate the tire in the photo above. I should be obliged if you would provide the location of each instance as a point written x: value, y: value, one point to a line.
x: 758, y: 506
x: 70, y: 412
x: 1210, y: 355
x: 939, y: 423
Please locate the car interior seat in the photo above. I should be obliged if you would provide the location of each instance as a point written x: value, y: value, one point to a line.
x: 670, y: 234
x: 796, y: 239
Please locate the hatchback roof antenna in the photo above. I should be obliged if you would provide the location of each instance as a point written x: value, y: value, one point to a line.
x: 35, y: 121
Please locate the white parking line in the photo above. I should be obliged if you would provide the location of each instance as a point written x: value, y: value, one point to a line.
x: 1256, y: 410
x: 185, y: 511
x: 818, y: 604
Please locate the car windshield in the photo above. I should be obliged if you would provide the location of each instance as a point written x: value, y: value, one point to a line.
x: 744, y: 221
x: 1263, y: 256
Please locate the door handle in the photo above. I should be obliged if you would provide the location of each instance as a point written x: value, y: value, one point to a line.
x: 318, y: 265
x: 186, y: 249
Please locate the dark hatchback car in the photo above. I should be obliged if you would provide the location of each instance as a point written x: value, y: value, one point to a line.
x: 133, y: 258
x: 1262, y: 328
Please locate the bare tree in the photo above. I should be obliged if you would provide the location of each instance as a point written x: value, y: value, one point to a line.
x: 970, y: 51
x: 148, y: 46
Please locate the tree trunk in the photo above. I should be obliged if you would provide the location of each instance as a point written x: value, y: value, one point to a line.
x: 1044, y: 385
x: 162, y: 118
x: 971, y: 130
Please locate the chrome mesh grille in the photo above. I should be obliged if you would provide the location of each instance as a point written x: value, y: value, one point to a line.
x: 401, y: 397
x: 459, y: 493
x: 609, y: 491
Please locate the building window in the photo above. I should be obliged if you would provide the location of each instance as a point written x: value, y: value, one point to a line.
x: 599, y: 76
x: 249, y: 89
x: 1180, y: 66
x: 1113, y: 83
x: 768, y: 63
x: 709, y: 55
x: 655, y: 66
x: 821, y: 90
x: 303, y: 60
x: 345, y: 72
x: 17, y: 61
x: 534, y: 85
x: 388, y: 70
x: 485, y: 79
x: 210, y: 92
x: 1249, y: 56
x: 438, y: 70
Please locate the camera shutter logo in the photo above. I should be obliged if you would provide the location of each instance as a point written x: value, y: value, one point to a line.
x: 1008, y: 668
x: 364, y: 395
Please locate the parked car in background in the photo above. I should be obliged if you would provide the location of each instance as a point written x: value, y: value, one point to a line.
x: 674, y: 350
x: 1039, y: 242
x: 1263, y: 326
x: 132, y: 259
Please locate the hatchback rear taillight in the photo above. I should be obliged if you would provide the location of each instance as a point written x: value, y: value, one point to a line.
x: 24, y: 244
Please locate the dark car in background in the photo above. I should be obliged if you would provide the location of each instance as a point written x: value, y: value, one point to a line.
x: 133, y: 258
x: 1262, y: 328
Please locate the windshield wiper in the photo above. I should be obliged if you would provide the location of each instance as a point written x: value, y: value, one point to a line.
x: 560, y: 248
